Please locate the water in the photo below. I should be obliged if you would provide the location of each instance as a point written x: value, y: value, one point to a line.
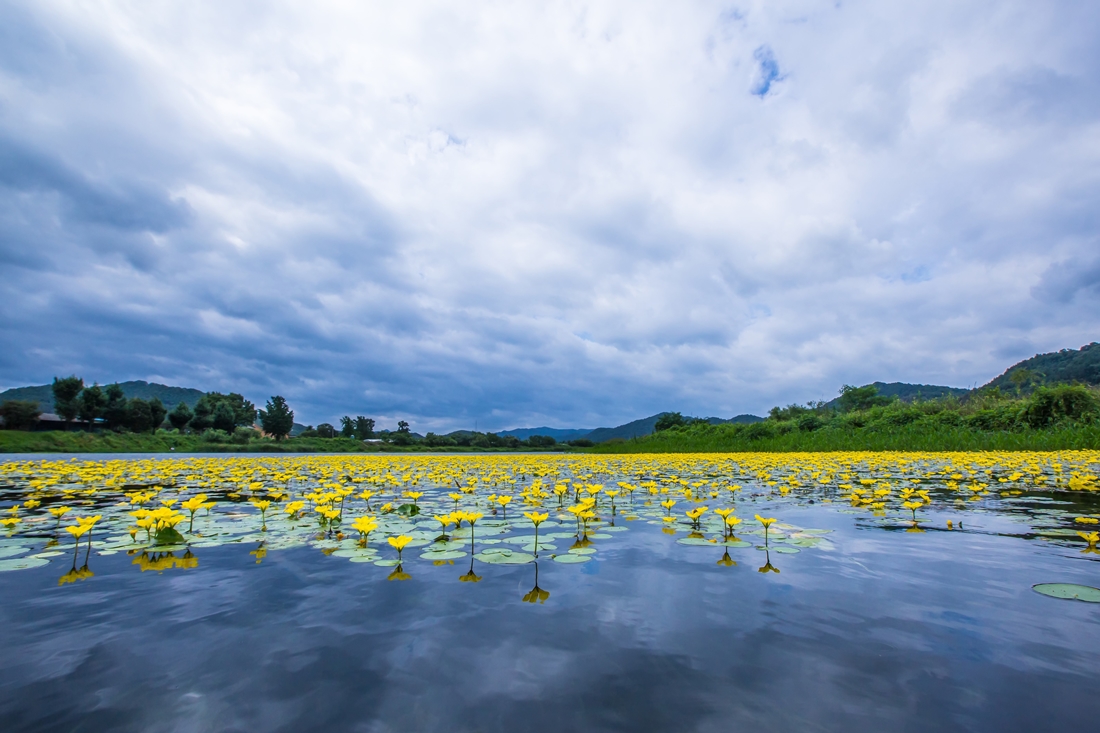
x: 874, y: 629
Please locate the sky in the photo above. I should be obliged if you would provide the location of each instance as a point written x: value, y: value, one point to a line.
x: 566, y: 214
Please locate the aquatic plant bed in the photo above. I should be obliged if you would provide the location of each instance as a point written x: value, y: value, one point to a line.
x: 678, y: 592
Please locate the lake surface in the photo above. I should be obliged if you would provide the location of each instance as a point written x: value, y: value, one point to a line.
x: 853, y: 619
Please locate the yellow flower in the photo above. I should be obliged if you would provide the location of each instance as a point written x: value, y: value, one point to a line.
x: 766, y: 521
x: 1086, y: 520
x: 399, y: 542
x: 536, y: 518
x: 364, y: 526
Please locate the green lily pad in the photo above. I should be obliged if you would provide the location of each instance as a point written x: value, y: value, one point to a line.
x: 505, y: 557
x: 572, y: 559
x: 735, y: 543
x: 583, y: 551
x: 12, y: 551
x: 55, y: 553
x: 1069, y: 591
x: 442, y: 555
x: 542, y: 547
x: 695, y: 542
x: 786, y: 550
x: 22, y: 563
x: 385, y: 563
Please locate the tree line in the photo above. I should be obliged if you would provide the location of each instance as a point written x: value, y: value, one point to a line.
x: 109, y: 408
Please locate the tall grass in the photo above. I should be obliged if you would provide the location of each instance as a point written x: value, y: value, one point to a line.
x: 913, y: 437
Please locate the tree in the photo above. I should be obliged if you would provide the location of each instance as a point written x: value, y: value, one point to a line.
x: 20, y: 414
x: 278, y: 418
x: 364, y: 427
x: 326, y: 430
x: 92, y: 404
x: 241, y: 411
x: 541, y: 441
x: 669, y: 420
x: 180, y: 416
x: 223, y: 418
x: 347, y: 427
x: 158, y: 411
x: 403, y: 427
x: 861, y: 398
x: 115, y: 411
x: 65, y: 393
x: 139, y: 415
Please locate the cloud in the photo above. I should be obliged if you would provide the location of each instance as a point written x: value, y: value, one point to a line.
x: 553, y: 215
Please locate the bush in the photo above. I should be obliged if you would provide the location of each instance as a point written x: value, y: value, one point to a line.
x: 1065, y: 402
x: 213, y: 435
x: 581, y: 443
x: 243, y: 435
x: 20, y: 414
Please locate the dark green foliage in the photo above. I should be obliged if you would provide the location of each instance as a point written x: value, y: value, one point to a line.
x: 1067, y: 402
x: 669, y: 420
x: 115, y: 411
x: 326, y: 430
x: 860, y: 398
x: 20, y: 414
x: 92, y: 404
x: 43, y: 394
x: 66, y: 393
x: 347, y: 427
x: 139, y: 416
x: 438, y: 441
x: 223, y: 418
x: 403, y: 427
x: 581, y: 443
x: 158, y: 411
x: 541, y: 441
x: 240, y: 412
x: 277, y: 419
x: 180, y: 416
x: 364, y: 427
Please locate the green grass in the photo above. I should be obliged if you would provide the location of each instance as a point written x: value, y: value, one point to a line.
x: 913, y: 437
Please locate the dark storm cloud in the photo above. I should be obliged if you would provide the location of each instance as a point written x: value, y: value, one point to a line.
x: 541, y: 215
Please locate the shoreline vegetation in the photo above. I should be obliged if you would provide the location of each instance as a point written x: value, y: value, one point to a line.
x: 1061, y: 417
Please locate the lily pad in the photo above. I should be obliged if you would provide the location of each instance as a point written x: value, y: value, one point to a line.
x: 786, y: 550
x: 572, y: 559
x: 505, y: 557
x: 583, y: 551
x: 695, y: 542
x: 442, y: 555
x: 385, y: 563
x: 12, y: 551
x: 22, y: 563
x: 1069, y: 591
x: 735, y: 543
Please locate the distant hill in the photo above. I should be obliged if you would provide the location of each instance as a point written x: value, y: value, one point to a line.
x: 1068, y: 365
x: 558, y: 434
x: 170, y: 396
x: 909, y: 392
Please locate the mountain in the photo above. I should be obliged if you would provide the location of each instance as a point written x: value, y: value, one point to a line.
x: 169, y: 396
x: 909, y: 392
x: 1068, y: 365
x: 558, y: 434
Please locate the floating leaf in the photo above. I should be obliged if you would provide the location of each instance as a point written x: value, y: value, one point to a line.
x: 1069, y: 591
x: 22, y: 563
x: 572, y: 559
x: 12, y: 551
